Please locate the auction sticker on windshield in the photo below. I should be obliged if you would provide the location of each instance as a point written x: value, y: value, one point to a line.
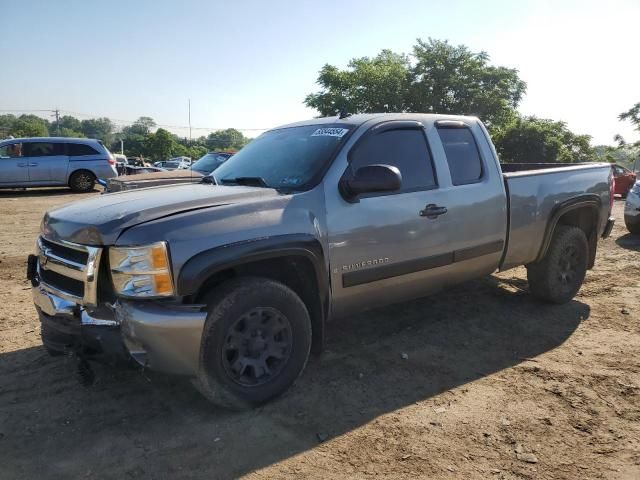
x: 330, y: 132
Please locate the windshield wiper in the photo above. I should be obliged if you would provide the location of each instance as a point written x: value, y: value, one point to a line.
x: 248, y: 181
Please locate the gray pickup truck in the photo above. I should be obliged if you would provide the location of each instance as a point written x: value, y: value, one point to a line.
x: 233, y: 283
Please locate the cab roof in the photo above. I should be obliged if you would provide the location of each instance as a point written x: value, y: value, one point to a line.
x: 361, y: 118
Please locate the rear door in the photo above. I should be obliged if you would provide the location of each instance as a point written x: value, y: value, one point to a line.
x: 13, y: 167
x: 47, y: 162
x: 476, y: 197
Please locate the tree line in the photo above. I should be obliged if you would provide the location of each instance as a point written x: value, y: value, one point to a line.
x: 438, y: 77
x: 142, y: 138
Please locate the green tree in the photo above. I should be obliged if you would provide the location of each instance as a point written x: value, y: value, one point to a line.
x: 67, y: 132
x: 29, y: 126
x: 70, y: 124
x: 160, y: 144
x: 632, y: 115
x: 537, y: 140
x: 453, y: 79
x: 100, y: 128
x: 226, y: 139
x: 379, y: 84
x: 142, y: 126
x: 6, y: 122
x: 437, y: 77
x: 627, y: 155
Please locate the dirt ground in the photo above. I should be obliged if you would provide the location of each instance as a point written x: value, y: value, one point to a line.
x: 493, y: 385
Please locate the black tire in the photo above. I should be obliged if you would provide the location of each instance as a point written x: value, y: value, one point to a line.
x: 255, y: 343
x: 633, y: 228
x: 82, y: 181
x: 559, y: 276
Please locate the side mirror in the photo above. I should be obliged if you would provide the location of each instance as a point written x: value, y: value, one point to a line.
x: 371, y: 179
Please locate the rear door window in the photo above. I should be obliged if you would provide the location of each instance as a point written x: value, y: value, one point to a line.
x: 463, y: 156
x: 79, y: 149
x: 43, y: 149
x: 405, y: 149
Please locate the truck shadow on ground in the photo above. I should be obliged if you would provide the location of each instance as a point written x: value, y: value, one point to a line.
x: 138, y: 424
x: 629, y: 241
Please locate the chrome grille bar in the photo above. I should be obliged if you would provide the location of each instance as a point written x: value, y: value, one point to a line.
x: 85, y: 273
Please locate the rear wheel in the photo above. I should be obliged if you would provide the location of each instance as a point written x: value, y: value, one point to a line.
x: 82, y: 181
x: 559, y: 276
x: 255, y: 343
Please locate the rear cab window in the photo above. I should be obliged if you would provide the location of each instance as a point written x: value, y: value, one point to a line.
x: 463, y: 155
x: 404, y: 148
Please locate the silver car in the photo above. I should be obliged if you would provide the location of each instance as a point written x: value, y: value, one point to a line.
x: 44, y: 161
x: 632, y: 209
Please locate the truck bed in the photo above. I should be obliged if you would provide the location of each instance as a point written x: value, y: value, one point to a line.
x: 535, y: 190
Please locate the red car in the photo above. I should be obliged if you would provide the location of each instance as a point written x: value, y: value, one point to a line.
x: 624, y: 178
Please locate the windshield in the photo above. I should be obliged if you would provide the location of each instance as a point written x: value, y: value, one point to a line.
x: 209, y: 162
x: 285, y: 158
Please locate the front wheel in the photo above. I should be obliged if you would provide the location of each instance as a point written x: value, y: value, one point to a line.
x: 255, y: 343
x: 559, y: 276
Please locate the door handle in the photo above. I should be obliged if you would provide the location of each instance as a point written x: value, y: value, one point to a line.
x: 33, y: 164
x: 433, y: 211
x: 22, y: 164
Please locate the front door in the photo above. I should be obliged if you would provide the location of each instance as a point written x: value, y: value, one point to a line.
x: 389, y: 247
x: 13, y: 166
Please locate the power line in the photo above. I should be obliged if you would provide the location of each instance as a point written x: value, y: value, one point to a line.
x: 24, y: 111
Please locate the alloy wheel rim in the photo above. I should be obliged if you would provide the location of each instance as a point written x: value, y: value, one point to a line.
x: 568, y: 264
x: 257, y: 346
x: 84, y: 181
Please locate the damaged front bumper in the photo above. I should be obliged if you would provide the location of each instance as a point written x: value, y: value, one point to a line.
x: 161, y: 336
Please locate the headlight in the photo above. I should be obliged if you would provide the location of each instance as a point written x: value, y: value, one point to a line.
x: 141, y: 271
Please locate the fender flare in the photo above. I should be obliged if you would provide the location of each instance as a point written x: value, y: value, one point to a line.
x: 199, y: 268
x: 590, y: 200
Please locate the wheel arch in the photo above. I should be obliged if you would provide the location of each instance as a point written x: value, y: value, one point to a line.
x: 582, y: 212
x: 297, y: 261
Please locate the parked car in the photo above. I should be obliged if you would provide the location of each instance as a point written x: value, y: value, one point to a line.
x: 183, y: 162
x: 203, y: 167
x: 632, y: 209
x: 138, y: 162
x: 210, y: 161
x: 624, y: 180
x: 43, y: 161
x: 231, y: 284
x: 121, y: 163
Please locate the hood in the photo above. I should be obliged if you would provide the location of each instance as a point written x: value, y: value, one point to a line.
x: 100, y: 220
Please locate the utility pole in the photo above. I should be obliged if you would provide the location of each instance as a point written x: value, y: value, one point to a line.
x: 189, y: 121
x: 57, y: 115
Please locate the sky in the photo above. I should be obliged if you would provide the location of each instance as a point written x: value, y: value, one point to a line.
x: 249, y: 64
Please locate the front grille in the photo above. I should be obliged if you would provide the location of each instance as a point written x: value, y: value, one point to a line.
x: 69, y: 270
x: 65, y: 252
x: 60, y: 282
